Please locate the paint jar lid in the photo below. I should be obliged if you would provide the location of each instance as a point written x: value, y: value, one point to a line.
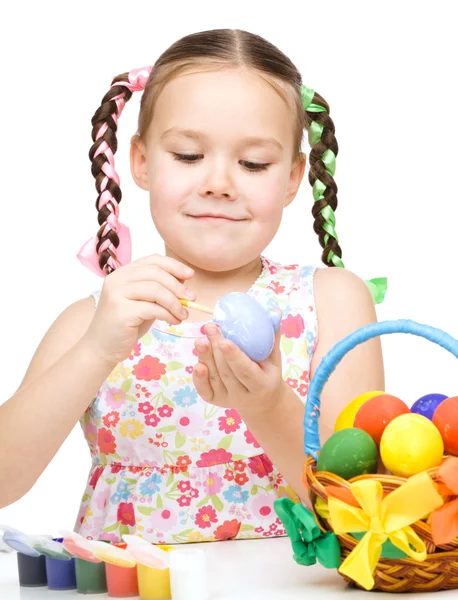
x: 113, y: 555
x: 146, y: 553
x: 79, y: 546
x: 19, y: 541
x: 50, y: 547
x: 188, y: 575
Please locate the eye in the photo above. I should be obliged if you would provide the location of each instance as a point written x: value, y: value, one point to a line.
x: 249, y: 166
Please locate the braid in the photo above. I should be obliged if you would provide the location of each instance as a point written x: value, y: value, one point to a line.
x: 324, y: 147
x: 104, y: 128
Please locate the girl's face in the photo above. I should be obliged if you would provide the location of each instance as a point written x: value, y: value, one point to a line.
x: 218, y: 166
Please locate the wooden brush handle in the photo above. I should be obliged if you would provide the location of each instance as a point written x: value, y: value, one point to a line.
x: 196, y: 306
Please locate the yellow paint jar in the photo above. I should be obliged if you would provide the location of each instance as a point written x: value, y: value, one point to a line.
x: 153, y: 584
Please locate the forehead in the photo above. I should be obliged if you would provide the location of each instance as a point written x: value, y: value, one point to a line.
x: 232, y: 102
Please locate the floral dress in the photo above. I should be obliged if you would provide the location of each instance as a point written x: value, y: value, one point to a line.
x: 167, y: 465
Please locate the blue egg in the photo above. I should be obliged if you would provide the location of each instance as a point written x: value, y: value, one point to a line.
x: 243, y: 320
x: 426, y: 405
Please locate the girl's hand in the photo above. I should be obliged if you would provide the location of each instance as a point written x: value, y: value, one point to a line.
x: 226, y: 377
x: 132, y: 298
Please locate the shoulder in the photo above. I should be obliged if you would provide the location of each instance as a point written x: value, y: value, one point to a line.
x: 336, y: 286
x: 343, y: 303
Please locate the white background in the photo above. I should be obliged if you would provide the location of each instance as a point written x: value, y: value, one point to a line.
x: 388, y: 71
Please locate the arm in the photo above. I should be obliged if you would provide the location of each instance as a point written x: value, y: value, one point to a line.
x: 63, y: 377
x: 343, y: 304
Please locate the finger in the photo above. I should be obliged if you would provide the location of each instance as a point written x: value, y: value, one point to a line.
x: 275, y: 357
x: 246, y: 371
x: 225, y: 373
x: 150, y: 311
x: 205, y: 355
x: 202, y: 383
x: 158, y: 294
x: 151, y: 273
x: 171, y: 265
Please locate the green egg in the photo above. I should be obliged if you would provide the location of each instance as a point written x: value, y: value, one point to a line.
x: 348, y: 453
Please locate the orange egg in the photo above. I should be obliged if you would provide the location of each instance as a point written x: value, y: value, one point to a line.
x: 376, y: 413
x: 445, y: 418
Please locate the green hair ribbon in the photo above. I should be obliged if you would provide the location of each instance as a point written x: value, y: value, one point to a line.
x: 377, y: 286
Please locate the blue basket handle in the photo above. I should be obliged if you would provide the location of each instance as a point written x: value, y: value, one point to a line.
x: 328, y: 364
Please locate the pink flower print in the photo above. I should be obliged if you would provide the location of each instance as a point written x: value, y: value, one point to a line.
x: 114, y: 397
x: 189, y: 422
x: 149, y: 368
x: 184, y: 486
x: 102, y: 498
x: 145, y: 407
x: 231, y: 422
x: 276, y: 287
x: 165, y: 411
x: 291, y: 267
x: 205, y: 516
x: 95, y: 477
x: 273, y: 269
x: 250, y: 439
x: 135, y: 351
x: 162, y: 520
x: 214, y: 457
x: 126, y: 513
x: 292, y: 383
x: 184, y: 501
x: 260, y: 465
x: 292, y: 327
x: 263, y: 506
x: 303, y: 389
x: 213, y: 484
x: 305, y: 376
x: 90, y: 433
x: 152, y: 420
x: 189, y: 369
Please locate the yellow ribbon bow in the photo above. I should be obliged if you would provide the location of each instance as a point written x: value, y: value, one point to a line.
x: 382, y: 519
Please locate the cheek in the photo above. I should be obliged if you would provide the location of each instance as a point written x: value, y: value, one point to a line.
x: 167, y: 191
x: 268, y: 195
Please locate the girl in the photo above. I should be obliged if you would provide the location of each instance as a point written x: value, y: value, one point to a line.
x: 190, y: 439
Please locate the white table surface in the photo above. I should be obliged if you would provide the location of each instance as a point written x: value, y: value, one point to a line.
x: 261, y: 569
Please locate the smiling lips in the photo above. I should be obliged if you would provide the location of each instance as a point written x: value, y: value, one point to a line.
x: 215, y: 217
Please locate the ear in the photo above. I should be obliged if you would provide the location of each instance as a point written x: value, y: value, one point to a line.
x: 295, y: 178
x: 138, y: 165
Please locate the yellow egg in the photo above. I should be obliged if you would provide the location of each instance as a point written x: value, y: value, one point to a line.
x: 347, y: 416
x: 410, y: 444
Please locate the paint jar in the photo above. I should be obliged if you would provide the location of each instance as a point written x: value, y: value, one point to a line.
x: 188, y: 575
x: 122, y: 582
x: 32, y: 570
x: 60, y: 571
x: 153, y: 584
x: 90, y: 577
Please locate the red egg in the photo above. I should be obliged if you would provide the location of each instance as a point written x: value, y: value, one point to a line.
x: 375, y: 414
x: 445, y: 418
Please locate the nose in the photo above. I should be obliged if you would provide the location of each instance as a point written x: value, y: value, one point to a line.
x: 217, y: 181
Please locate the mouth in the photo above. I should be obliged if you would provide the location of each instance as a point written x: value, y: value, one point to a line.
x: 215, y: 218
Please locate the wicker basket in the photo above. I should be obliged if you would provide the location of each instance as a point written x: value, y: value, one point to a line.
x: 440, y: 569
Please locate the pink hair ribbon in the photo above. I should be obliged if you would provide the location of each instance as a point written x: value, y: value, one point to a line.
x: 88, y: 255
